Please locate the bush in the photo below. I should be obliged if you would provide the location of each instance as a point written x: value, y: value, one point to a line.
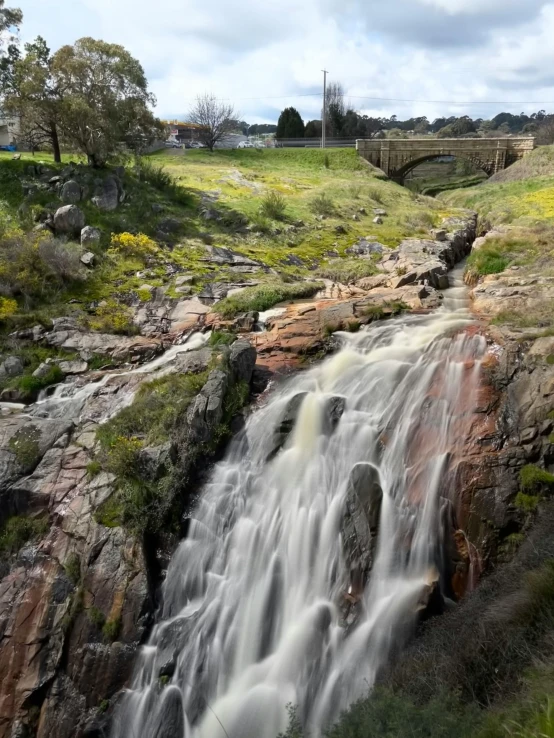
x: 273, y: 206
x: 264, y: 297
x: 7, y: 308
x: 61, y: 259
x: 19, y: 530
x: 112, y: 628
x: 527, y: 503
x: 322, y: 205
x: 136, y: 246
x: 73, y: 568
x: 221, y: 338
x: 112, y: 317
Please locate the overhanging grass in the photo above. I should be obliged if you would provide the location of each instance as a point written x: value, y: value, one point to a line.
x: 348, y: 270
x: 264, y: 297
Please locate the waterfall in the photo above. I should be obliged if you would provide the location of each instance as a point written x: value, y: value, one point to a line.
x: 261, y: 608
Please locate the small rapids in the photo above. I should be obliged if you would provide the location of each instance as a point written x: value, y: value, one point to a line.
x: 253, y: 603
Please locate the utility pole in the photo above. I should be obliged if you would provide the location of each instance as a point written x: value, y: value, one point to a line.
x: 324, y: 114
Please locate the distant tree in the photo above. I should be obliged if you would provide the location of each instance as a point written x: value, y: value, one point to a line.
x: 10, y: 20
x: 545, y: 130
x: 290, y: 124
x: 396, y: 133
x: 313, y: 129
x: 446, y: 132
x: 34, y: 95
x: 421, y: 125
x: 215, y: 118
x: 335, y: 109
x: 262, y: 128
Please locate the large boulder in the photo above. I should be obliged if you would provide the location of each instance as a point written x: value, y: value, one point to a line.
x: 242, y: 359
x: 206, y: 412
x: 284, y: 429
x: 71, y: 192
x: 106, y: 195
x: 69, y: 220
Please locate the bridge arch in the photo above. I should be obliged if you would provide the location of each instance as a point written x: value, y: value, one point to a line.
x: 400, y: 174
x: 396, y: 157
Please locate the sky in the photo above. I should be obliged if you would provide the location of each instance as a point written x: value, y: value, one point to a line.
x: 403, y: 57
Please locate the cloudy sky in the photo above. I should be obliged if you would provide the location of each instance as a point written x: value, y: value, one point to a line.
x: 424, y: 54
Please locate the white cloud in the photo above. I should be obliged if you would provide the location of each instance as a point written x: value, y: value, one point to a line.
x: 411, y: 49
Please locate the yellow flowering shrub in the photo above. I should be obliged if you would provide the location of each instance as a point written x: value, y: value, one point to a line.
x: 112, y: 317
x: 7, y: 307
x: 133, y: 245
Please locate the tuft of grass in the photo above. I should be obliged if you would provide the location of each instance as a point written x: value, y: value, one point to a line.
x: 96, y: 617
x: 19, y: 530
x: 527, y: 503
x: 264, y: 297
x: 273, y: 206
x: 221, y: 338
x: 94, y: 468
x: 72, y: 568
x: 487, y: 260
x: 347, y: 271
x: 112, y: 628
x: 322, y: 205
x: 533, y: 479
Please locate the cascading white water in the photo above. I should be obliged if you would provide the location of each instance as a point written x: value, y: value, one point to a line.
x: 252, y: 617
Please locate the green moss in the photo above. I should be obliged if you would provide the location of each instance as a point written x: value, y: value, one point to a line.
x: 264, y: 297
x: 103, y: 707
x: 532, y: 478
x: 112, y: 628
x: 25, y: 444
x: 550, y: 359
x: 96, y: 617
x: 221, y: 338
x: 19, y: 530
x: 163, y: 680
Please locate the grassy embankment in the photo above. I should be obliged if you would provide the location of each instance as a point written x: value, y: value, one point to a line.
x: 521, y: 199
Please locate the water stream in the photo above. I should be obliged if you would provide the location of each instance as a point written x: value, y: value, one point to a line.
x: 253, y: 602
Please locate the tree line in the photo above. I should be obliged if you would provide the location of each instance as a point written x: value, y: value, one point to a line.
x: 342, y: 121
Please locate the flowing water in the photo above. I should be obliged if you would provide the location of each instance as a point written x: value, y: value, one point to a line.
x: 253, y: 602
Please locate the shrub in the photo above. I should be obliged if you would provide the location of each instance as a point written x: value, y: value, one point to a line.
x: 19, y: 530
x: 527, y: 503
x: 7, y: 308
x: 93, y: 469
x: 136, y: 246
x: 61, y: 259
x: 25, y: 445
x: 264, y: 297
x: 326, y: 161
x: 322, y: 205
x: 273, y: 206
x: 154, y: 174
x: 221, y: 338
x: 112, y: 317
x: 123, y: 455
x: 73, y: 568
x: 144, y: 295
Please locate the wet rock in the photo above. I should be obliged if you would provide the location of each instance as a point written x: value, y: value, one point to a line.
x: 334, y: 409
x: 360, y: 522
x: 90, y: 236
x: 106, y: 194
x: 285, y: 427
x: 242, y: 359
x: 88, y: 258
x: 246, y: 322
x: 71, y: 192
x: 69, y: 219
x: 168, y: 721
x: 12, y: 366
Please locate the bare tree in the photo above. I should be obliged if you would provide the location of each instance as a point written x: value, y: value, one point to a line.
x: 214, y: 118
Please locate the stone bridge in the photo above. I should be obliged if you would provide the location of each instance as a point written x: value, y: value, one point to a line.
x: 398, y: 156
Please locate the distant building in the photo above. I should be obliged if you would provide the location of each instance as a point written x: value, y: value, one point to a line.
x: 9, y: 128
x: 182, y: 132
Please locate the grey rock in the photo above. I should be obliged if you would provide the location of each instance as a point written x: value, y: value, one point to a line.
x: 378, y: 220
x: 106, y: 195
x: 69, y: 219
x: 206, y: 412
x: 334, y: 409
x: 90, y: 236
x: 154, y: 461
x: 157, y: 208
x: 87, y: 258
x: 362, y: 211
x: 366, y: 248
x: 71, y: 192
x: 340, y: 230
x: 12, y: 366
x: 439, y: 234
x: 242, y: 359
x: 357, y: 217
x: 185, y: 279
x: 379, y: 212
x: 220, y: 255
x: 193, y: 362
x: 42, y: 370
x: 73, y: 367
x: 169, y: 225
x: 293, y: 260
